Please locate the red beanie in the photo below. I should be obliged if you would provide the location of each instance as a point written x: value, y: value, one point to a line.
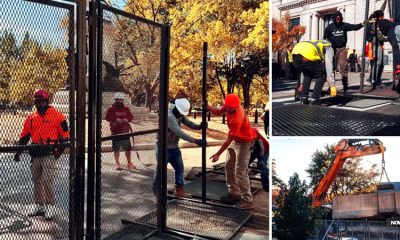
x: 232, y: 101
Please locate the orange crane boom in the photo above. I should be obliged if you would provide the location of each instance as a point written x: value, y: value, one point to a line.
x: 346, y: 148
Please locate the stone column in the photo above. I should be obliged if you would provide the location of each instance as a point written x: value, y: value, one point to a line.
x: 321, y: 28
x: 315, y: 26
x: 305, y: 21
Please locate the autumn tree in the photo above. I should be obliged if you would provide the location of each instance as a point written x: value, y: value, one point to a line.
x: 284, y: 33
x: 351, y: 179
x: 294, y: 218
x: 29, y: 66
x: 227, y: 26
x: 9, y: 52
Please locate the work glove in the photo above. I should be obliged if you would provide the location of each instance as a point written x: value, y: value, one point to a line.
x: 17, y: 157
x: 125, y: 120
x: 333, y: 91
x: 300, y: 89
x: 201, y: 142
x: 365, y: 23
x: 119, y: 120
x: 204, y: 124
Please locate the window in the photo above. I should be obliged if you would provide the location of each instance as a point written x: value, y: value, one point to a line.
x: 293, y: 22
x: 328, y: 19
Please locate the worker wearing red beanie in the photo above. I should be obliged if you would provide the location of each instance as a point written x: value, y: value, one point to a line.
x: 241, y: 137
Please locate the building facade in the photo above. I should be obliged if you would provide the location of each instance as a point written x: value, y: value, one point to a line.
x: 315, y: 15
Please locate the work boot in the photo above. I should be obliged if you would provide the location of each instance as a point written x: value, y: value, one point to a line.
x: 180, y: 192
x: 230, y: 198
x: 37, y: 210
x: 314, y: 102
x: 304, y: 101
x: 49, y: 212
x: 345, y: 83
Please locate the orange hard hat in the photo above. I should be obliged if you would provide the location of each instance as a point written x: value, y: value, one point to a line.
x: 232, y: 101
x: 40, y: 94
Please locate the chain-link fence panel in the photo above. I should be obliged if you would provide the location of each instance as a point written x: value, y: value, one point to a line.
x: 130, y: 95
x: 359, y: 230
x: 36, y: 119
x: 356, y: 230
x: 375, y: 230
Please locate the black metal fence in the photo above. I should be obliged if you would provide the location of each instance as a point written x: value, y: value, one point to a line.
x: 129, y: 70
x: 37, y: 46
x: 103, y: 181
x: 356, y: 230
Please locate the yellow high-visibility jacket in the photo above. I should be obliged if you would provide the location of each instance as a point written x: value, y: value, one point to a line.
x: 311, y: 50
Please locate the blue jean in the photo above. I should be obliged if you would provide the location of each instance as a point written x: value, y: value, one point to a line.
x: 174, y: 157
x: 264, y: 171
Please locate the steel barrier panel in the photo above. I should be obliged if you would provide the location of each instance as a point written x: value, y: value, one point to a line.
x: 37, y: 51
x: 304, y: 120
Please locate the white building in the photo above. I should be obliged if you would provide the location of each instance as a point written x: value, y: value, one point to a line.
x: 315, y: 15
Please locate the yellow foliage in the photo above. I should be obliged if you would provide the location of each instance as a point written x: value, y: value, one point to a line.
x: 258, y: 21
x: 225, y: 25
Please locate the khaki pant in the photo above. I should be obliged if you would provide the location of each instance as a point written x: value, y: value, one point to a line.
x: 43, y: 171
x: 237, y: 170
x: 341, y: 61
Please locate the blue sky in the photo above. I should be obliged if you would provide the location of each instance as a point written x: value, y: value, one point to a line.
x: 41, y: 21
x: 294, y: 155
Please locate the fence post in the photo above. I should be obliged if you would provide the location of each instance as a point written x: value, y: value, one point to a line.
x: 209, y: 116
x: 256, y: 117
x: 223, y: 118
x: 195, y: 114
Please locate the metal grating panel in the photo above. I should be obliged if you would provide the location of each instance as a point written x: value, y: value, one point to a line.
x: 366, y: 103
x: 136, y: 231
x: 304, y: 120
x: 200, y: 219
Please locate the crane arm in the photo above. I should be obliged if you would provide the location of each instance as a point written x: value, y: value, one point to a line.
x: 346, y: 148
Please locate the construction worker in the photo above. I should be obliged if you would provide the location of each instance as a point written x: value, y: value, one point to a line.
x: 241, y: 137
x: 375, y: 52
x: 261, y: 153
x: 392, y: 31
x: 119, y: 116
x: 176, y: 116
x: 336, y: 34
x: 314, y: 59
x: 45, y: 126
x: 288, y: 63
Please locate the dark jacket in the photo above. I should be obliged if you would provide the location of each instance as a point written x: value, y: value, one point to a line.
x: 337, y: 34
x: 372, y: 36
x: 385, y: 26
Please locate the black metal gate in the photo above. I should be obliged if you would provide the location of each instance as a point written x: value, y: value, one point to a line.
x: 128, y: 61
x: 37, y: 51
x: 128, y: 89
x: 42, y: 46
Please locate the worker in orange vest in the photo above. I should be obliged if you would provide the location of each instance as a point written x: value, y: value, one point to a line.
x: 43, y: 127
x: 241, y: 138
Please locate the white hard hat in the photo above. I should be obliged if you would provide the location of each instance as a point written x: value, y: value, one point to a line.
x: 119, y: 95
x: 183, y: 106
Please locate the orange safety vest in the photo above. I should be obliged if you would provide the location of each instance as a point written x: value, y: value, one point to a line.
x: 43, y: 129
